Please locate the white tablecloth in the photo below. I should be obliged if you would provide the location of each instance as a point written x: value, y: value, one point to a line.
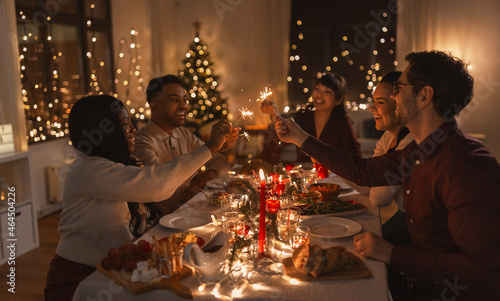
x: 99, y: 287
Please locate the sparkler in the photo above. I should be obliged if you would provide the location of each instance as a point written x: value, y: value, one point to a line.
x: 247, y: 113
x: 264, y: 94
x: 244, y: 134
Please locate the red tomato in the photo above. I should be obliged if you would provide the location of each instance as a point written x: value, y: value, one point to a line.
x: 132, y: 250
x: 126, y: 245
x: 117, y: 263
x: 114, y: 253
x: 106, y: 263
x: 130, y: 265
x: 145, y: 247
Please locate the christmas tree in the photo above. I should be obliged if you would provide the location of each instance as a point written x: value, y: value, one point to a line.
x: 201, y: 83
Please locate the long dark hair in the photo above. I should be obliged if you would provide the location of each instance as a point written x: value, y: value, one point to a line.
x: 95, y: 130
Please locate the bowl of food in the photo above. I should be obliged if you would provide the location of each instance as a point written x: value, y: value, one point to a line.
x: 306, y: 197
x: 215, y: 197
x: 329, y: 191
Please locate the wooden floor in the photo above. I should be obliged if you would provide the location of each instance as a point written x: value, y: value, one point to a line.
x: 31, y: 268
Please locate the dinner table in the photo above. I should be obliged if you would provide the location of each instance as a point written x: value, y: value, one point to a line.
x: 275, y: 286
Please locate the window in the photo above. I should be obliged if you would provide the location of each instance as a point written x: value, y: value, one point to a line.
x: 65, y: 53
x: 353, y: 38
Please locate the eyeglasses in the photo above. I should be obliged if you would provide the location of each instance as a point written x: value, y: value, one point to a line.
x: 396, y: 87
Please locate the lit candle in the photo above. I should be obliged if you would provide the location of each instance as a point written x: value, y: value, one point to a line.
x: 280, y: 187
x: 275, y: 177
x: 273, y: 205
x: 322, y: 171
x: 262, y: 220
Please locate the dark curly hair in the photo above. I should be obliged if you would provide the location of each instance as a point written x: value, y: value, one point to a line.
x: 95, y: 130
x: 448, y: 77
x: 156, y: 84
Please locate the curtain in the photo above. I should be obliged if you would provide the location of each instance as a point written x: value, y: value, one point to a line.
x: 470, y: 32
x: 11, y: 105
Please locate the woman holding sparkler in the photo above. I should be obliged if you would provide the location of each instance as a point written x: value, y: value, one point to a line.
x: 328, y: 122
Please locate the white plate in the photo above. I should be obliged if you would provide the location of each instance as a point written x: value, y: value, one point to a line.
x: 332, y: 227
x: 216, y: 183
x: 184, y: 222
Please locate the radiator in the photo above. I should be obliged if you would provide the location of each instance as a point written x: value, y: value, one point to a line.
x: 56, y: 174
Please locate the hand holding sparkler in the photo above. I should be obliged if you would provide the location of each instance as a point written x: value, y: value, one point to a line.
x: 290, y: 132
x: 222, y: 131
x: 231, y: 140
x: 268, y: 107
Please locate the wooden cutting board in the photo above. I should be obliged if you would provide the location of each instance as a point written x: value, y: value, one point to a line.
x: 361, y: 271
x: 171, y: 284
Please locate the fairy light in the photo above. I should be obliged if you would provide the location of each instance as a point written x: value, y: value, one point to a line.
x: 94, y: 81
x: 350, y: 58
x: 42, y: 119
x: 215, y: 290
x: 131, y: 77
x: 204, y: 99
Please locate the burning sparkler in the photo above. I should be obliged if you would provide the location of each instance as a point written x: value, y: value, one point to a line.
x: 244, y: 134
x: 247, y: 113
x: 264, y: 94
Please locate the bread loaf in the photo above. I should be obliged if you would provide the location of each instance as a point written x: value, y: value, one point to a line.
x: 314, y: 260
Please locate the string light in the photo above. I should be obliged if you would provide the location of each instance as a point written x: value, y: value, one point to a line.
x: 132, y: 77
x: 46, y: 118
x: 206, y: 103
x: 94, y: 81
x: 372, y: 77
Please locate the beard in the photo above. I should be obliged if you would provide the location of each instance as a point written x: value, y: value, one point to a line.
x: 407, y: 111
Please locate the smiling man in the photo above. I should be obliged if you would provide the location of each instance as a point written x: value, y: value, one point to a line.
x: 451, y: 184
x: 165, y: 137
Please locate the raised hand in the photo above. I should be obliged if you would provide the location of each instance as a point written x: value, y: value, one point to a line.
x: 288, y: 131
x: 268, y: 107
x: 221, y: 131
x: 231, y: 141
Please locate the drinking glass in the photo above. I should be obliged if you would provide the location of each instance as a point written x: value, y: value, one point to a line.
x: 287, y: 221
x: 300, y: 237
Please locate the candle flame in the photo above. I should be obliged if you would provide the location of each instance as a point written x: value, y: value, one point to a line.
x: 262, y: 175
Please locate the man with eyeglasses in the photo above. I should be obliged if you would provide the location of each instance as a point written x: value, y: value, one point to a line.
x: 165, y: 137
x: 451, y: 185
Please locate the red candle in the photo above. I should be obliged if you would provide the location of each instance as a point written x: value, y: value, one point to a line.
x: 273, y: 205
x: 262, y: 220
x: 275, y: 176
x: 322, y: 171
x: 280, y: 188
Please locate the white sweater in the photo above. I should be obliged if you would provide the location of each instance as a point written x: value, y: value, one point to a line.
x: 95, y: 215
x: 384, y: 195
